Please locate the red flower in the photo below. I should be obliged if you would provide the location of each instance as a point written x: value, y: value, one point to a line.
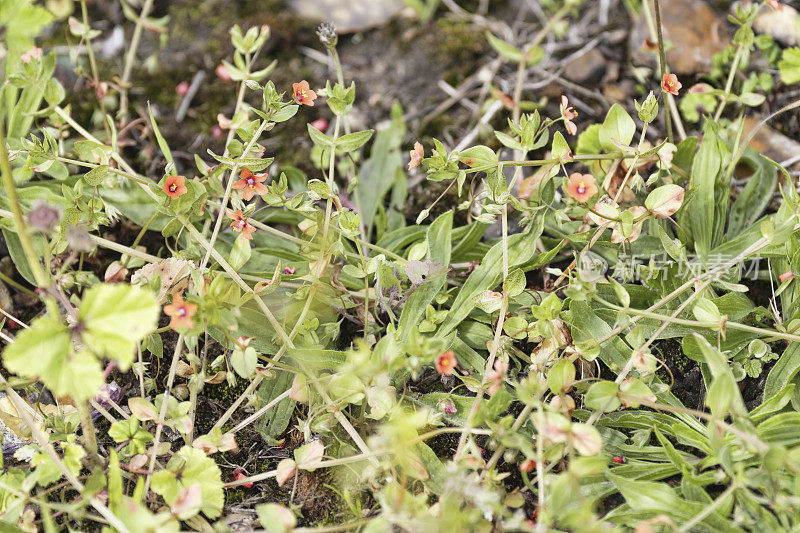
x: 568, y: 112
x: 670, y: 84
x: 581, y: 187
x: 446, y: 362
x: 786, y: 276
x: 288, y: 270
x: 618, y: 459
x: 251, y: 184
x: 175, y: 187
x: 181, y: 313
x: 303, y: 93
x: 416, y: 156
x: 775, y: 4
x: 240, y: 223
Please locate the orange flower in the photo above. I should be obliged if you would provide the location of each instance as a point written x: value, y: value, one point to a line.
x: 581, y: 187
x: 416, y: 156
x: 670, y: 84
x: 446, y: 362
x: 181, y: 313
x: 175, y: 187
x: 240, y: 223
x: 775, y: 4
x: 303, y: 93
x: 568, y: 112
x: 251, y: 184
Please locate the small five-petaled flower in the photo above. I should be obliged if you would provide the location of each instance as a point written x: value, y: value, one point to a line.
x: 175, y: 187
x: 446, y: 362
x: 240, y: 223
x: 581, y: 187
x: 181, y: 313
x: 251, y: 184
x: 303, y: 93
x: 670, y: 84
x: 416, y: 156
x: 568, y: 112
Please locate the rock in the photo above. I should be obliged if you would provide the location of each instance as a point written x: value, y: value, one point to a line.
x: 782, y: 25
x: 589, y: 66
x: 769, y: 142
x: 694, y: 32
x: 349, y: 16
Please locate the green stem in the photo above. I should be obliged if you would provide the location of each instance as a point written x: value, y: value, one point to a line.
x: 130, y: 58
x: 39, y: 274
x: 93, y: 66
x: 729, y: 83
x: 89, y: 434
x: 662, y: 60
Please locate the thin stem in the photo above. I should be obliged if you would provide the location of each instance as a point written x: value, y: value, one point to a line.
x: 89, y: 434
x: 708, y: 509
x: 233, y: 173
x: 130, y: 58
x: 729, y: 83
x: 93, y: 66
x: 662, y: 59
x: 176, y: 356
x: 227, y: 195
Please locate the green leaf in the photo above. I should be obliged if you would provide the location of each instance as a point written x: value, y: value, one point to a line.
x: 276, y: 518
x: 45, y: 351
x: 319, y: 138
x: 277, y: 419
x: 789, y: 65
x: 560, y: 148
x: 479, y: 156
x: 240, y: 252
x: 664, y: 201
x: 521, y: 248
x: 602, y: 396
x: 785, y: 369
x: 353, y: 141
x: 506, y: 50
x: 97, y: 175
x: 115, y: 318
x: 618, y: 126
x: 438, y: 238
x: 706, y: 168
x: 244, y: 361
x: 561, y: 376
x: 515, y: 283
x: 705, y: 311
x: 187, y: 467
x: 162, y: 143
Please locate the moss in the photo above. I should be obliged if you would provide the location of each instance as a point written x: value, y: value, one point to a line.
x: 461, y: 45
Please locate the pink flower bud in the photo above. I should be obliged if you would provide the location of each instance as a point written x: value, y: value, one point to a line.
x: 222, y: 72
x: 182, y: 88
x: 321, y: 124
